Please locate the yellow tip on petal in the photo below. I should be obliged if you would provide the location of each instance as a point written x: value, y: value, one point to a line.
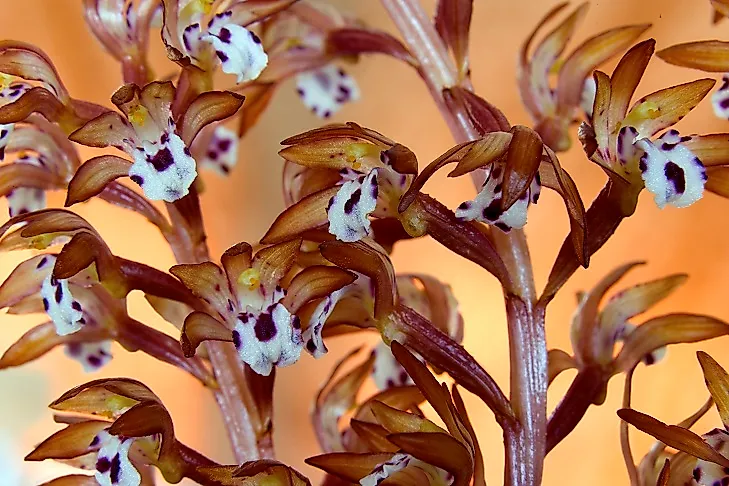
x: 138, y: 115
x: 5, y: 80
x: 357, y: 151
x: 251, y: 278
x: 647, y: 110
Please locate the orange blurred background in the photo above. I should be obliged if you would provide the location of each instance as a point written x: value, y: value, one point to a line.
x: 396, y: 103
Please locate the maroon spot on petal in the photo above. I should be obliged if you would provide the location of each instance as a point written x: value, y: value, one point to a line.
x: 675, y: 174
x: 497, y: 188
x: 115, y: 469
x: 103, y: 464
x: 243, y: 318
x: 76, y: 305
x: 94, y: 361
x: 297, y: 323
x: 236, y: 339
x: 42, y: 262
x: 403, y: 377
x: 310, y: 346
x: 255, y: 38
x: 74, y: 349
x: 300, y: 92
x: 265, y: 328
x: 164, y: 138
x: 464, y: 206
x: 390, y: 383
x: 224, y: 35
x: 59, y: 293
x: 724, y: 103
x: 503, y: 227
x: 327, y: 114
x: 224, y: 145
x: 221, y: 55
x: 46, y: 306
x: 496, y: 172
x: 493, y: 210
x: 352, y: 201
x: 162, y: 160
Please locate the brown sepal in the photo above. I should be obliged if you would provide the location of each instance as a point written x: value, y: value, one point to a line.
x: 207, y: 108
x: 314, y: 283
x: 453, y: 23
x: 484, y: 116
x: 93, y: 177
x: 522, y: 164
x: 351, y: 41
x: 717, y: 381
x: 199, y: 327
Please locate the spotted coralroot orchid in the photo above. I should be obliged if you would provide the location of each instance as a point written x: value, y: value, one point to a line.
x: 348, y: 173
x: 249, y: 305
x: 554, y: 107
x: 389, y: 442
x: 209, y: 35
x: 596, y: 331
x: 154, y: 134
x: 123, y: 28
x: 700, y: 460
x: 82, y: 290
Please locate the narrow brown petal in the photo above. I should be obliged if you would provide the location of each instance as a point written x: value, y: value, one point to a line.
x: 207, y: 108
x: 314, y: 283
x: 42, y: 339
x: 309, y: 213
x: 478, y: 466
x: 24, y: 281
x: 268, y: 471
x: 124, y: 197
x: 668, y: 106
x: 665, y: 475
x: 399, y: 397
x: 484, y: 116
x: 258, y: 96
x: 13, y: 176
x: 401, y: 158
x: 350, y: 467
x: 340, y: 130
x: 84, y: 249
x: 397, y: 421
x: 236, y: 260
x: 440, y: 450
x: 108, y: 129
x: 587, y: 57
x: 712, y: 150
x: 624, y: 81
x: 147, y: 419
x: 717, y: 381
x: 351, y: 41
x: 274, y: 262
x: 373, y: 435
x: 673, y: 436
x: 664, y: 330
x: 207, y: 281
x: 39, y: 100
x: 333, y: 153
x: 93, y: 177
x: 558, y: 361
x: 453, y: 23
x: 29, y: 62
x: 484, y: 151
x: 335, y: 398
x: 72, y: 480
x: 711, y: 55
x: 718, y: 180
x: 73, y: 441
x: 107, y: 397
x: 199, y: 327
x: 522, y: 164
x: 365, y: 259
x: 135, y: 336
x: 601, y: 112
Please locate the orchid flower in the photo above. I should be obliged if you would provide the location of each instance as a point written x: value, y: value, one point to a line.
x: 155, y: 135
x: 619, y: 140
x: 250, y: 306
x: 596, y: 332
x: 700, y: 460
x: 401, y: 444
x: 123, y: 27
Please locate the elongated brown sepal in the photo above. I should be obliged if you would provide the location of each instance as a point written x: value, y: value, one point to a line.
x: 367, y: 260
x: 199, y: 327
x: 147, y: 419
x: 93, y: 177
x: 352, y: 41
x: 717, y: 381
x: 396, y: 421
x: 483, y: 152
x: 275, y: 261
x: 479, y: 474
x: 711, y: 56
x: 440, y: 450
x: 314, y: 283
x: 348, y: 466
x: 522, y: 164
x: 106, y: 397
x: 13, y: 176
x: 484, y: 116
x: 268, y: 469
x: 309, y: 213
x: 664, y: 330
x: 673, y: 436
x: 207, y: 108
x: 374, y: 436
x: 453, y: 23
x: 72, y: 480
x: 108, y: 129
x: 665, y: 475
x: 73, y: 441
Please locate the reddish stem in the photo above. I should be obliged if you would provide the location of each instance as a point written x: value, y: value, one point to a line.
x: 525, y: 442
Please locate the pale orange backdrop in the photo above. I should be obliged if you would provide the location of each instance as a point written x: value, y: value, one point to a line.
x: 396, y: 103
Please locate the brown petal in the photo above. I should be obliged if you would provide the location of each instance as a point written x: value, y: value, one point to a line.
x: 207, y: 108
x: 712, y: 150
x: 274, y: 262
x: 711, y: 55
x: 453, y: 23
x: 207, y: 281
x: 665, y: 475
x: 236, y: 260
x: 72, y: 480
x: 24, y: 281
x: 258, y: 96
x: 558, y: 361
x: 107, y: 397
x: 309, y: 213
x: 351, y: 41
x: 401, y: 158
x: 668, y: 106
x: 314, y: 283
x: 367, y: 260
x: 73, y: 441
x: 664, y: 330
x: 338, y: 130
x: 84, y: 249
x: 350, y: 467
x: 267, y: 471
x: 17, y: 175
x: 396, y: 421
x: 717, y: 381
x: 37, y: 100
x: 334, y: 153
x: 601, y: 121
x: 199, y: 327
x: 624, y: 81
x: 374, y: 436
x: 478, y: 467
x: 93, y: 177
x: 673, y: 436
x: 42, y: 339
x: 399, y: 397
x: 108, y: 129
x: 440, y: 450
x: 484, y: 116
x: 522, y: 164
x: 587, y: 57
x: 483, y: 152
x: 335, y: 398
x: 29, y: 62
x: 147, y: 419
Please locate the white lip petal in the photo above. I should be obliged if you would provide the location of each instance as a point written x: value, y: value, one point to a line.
x: 113, y: 467
x: 66, y: 313
x: 387, y: 372
x: 312, y: 336
x: 239, y: 50
x: 163, y: 168
x: 349, y: 209
x: 587, y: 100
x: 92, y: 356
x: 325, y: 90
x: 221, y: 154
x: 720, y: 99
x: 671, y: 171
x: 23, y: 200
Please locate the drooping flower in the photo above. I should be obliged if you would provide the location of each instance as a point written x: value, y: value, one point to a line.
x: 193, y: 30
x: 155, y: 135
x: 554, y: 109
x: 619, y: 140
x: 249, y: 306
x: 218, y: 151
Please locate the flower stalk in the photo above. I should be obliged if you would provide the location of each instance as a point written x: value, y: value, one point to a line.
x: 526, y: 445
